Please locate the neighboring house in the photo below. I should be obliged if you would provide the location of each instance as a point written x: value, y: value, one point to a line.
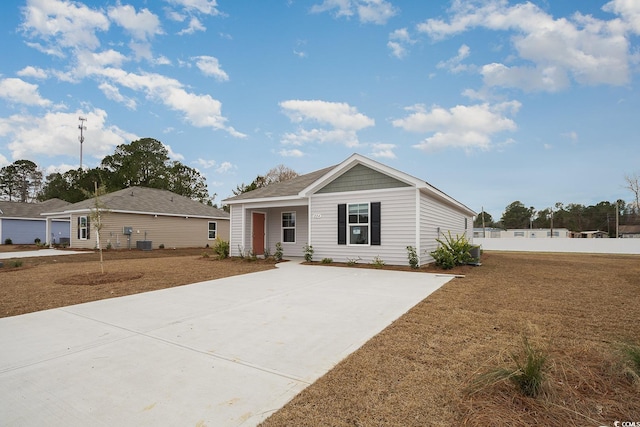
x: 597, y: 234
x: 359, y: 209
x: 629, y: 231
x: 487, y: 232
x: 23, y: 224
x: 535, y: 233
x: 140, y: 214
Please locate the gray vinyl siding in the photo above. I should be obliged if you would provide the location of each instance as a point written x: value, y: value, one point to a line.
x: 236, y: 231
x: 274, y: 230
x: 172, y: 232
x: 397, y: 219
x: 437, y: 216
x: 361, y: 178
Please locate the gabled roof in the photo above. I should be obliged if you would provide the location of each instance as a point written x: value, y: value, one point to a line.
x: 143, y: 200
x: 291, y: 187
x: 305, y: 185
x: 29, y: 210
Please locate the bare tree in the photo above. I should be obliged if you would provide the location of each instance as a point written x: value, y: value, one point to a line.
x: 633, y: 185
x: 279, y: 173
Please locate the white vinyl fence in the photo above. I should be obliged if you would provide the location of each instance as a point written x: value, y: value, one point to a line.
x: 595, y: 246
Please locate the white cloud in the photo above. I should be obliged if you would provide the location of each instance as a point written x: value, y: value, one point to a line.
x: 57, y: 134
x: 162, y: 60
x: 339, y: 122
x: 455, y: 64
x: 398, y: 40
x: 553, y: 51
x: 194, y: 25
x: 18, y: 91
x: 207, y: 7
x: 383, y: 151
x: 3, y: 161
x: 112, y: 92
x: 468, y: 127
x: 33, y: 72
x: 291, y: 153
x: 225, y: 167
x: 141, y: 25
x: 64, y: 23
x: 368, y: 11
x: 629, y: 12
x: 573, y: 136
x: 205, y: 164
x: 199, y: 110
x: 210, y: 66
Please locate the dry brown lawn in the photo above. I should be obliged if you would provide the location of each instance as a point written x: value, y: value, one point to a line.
x: 579, y: 309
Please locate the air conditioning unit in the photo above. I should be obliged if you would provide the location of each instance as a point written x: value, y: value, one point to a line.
x: 475, y: 255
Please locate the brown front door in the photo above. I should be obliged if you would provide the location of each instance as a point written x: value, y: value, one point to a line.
x: 258, y: 233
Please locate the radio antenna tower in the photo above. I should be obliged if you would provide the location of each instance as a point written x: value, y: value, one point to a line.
x: 82, y: 128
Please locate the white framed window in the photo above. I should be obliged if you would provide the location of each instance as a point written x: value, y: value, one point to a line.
x: 83, y: 228
x: 213, y: 230
x: 358, y: 223
x: 288, y: 227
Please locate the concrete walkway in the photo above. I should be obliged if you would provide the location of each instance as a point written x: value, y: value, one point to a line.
x: 226, y: 352
x: 39, y: 252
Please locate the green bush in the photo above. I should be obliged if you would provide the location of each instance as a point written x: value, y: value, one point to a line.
x: 8, y: 241
x: 452, y: 252
x: 161, y: 246
x: 221, y: 248
x: 326, y: 260
x: 279, y: 253
x: 37, y: 241
x: 414, y: 261
x: 308, y: 252
x: 16, y: 264
x: 205, y: 254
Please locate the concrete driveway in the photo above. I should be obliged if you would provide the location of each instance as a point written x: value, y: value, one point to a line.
x: 37, y: 253
x: 226, y: 352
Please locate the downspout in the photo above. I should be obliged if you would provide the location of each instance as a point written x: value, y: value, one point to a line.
x: 309, y: 218
x: 418, y: 237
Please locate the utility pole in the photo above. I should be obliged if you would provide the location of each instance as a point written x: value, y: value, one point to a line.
x: 484, y: 232
x: 82, y: 128
x: 617, y: 219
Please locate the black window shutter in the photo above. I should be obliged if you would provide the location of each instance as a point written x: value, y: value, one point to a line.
x: 342, y: 224
x: 375, y: 223
x: 78, y: 228
x: 88, y: 229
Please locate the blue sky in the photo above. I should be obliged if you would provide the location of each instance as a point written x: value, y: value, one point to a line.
x: 490, y: 101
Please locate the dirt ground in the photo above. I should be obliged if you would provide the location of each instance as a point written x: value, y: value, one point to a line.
x: 579, y: 310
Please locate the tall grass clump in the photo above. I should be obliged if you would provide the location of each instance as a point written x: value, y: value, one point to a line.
x: 631, y: 356
x: 527, y: 373
x: 221, y: 248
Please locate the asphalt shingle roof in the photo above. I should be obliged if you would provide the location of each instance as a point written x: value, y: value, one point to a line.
x: 150, y: 201
x: 290, y: 187
x: 29, y: 210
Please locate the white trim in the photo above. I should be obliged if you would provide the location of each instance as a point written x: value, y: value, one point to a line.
x: 295, y: 226
x: 86, y: 227
x: 368, y: 225
x: 266, y: 200
x: 364, y: 193
x: 243, y: 228
x: 208, y: 230
x: 88, y: 211
x: 309, y: 221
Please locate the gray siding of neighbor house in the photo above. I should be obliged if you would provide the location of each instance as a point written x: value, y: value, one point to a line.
x: 360, y: 178
x: 172, y: 232
x: 397, y: 224
x: 435, y: 216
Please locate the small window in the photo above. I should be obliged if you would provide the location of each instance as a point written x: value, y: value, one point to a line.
x: 213, y: 230
x: 289, y: 227
x: 83, y: 229
x: 358, y: 223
